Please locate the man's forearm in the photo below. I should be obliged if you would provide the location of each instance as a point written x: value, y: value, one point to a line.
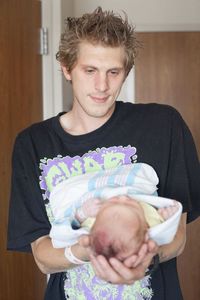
x: 52, y: 260
x: 176, y: 247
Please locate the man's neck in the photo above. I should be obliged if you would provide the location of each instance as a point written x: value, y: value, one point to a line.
x: 75, y: 124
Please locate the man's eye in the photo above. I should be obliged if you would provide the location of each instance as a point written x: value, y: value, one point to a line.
x: 113, y: 72
x: 89, y: 71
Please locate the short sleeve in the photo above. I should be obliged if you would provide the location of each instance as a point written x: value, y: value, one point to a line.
x: 183, y: 178
x: 27, y: 214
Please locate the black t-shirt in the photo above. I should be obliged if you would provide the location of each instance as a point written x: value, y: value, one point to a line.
x: 44, y: 155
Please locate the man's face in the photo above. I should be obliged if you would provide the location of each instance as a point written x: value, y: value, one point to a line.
x: 96, y: 79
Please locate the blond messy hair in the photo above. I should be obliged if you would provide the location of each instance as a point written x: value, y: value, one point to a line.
x: 99, y: 27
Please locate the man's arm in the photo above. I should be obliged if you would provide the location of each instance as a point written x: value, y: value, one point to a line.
x: 176, y: 247
x: 52, y: 260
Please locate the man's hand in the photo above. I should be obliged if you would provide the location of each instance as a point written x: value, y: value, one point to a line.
x: 126, y: 272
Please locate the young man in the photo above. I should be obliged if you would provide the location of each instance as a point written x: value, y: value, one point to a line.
x: 96, y: 53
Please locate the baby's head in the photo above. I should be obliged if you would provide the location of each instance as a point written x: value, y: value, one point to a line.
x: 120, y: 228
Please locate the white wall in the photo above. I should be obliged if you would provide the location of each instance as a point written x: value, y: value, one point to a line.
x: 150, y: 15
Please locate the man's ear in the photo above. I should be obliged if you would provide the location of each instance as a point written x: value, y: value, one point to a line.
x: 66, y: 73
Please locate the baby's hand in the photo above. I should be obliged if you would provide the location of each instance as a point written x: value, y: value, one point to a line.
x: 167, y: 212
x: 90, y: 208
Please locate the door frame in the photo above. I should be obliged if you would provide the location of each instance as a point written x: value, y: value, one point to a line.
x: 51, y: 74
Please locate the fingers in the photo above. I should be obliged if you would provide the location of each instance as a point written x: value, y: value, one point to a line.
x: 125, y: 275
x: 167, y: 212
x: 130, y: 261
x: 104, y: 270
x: 117, y: 272
x: 144, y: 256
x: 91, y: 207
x: 141, y: 255
x: 120, y: 199
x: 152, y: 247
x: 97, y: 201
x: 130, y: 275
x: 127, y: 272
x: 135, y: 260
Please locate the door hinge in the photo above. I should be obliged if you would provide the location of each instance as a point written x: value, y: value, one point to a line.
x: 44, y: 41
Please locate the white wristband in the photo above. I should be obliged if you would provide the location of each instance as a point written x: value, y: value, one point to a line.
x: 70, y: 257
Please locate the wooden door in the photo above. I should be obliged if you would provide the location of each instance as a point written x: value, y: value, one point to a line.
x: 20, y: 105
x: 168, y: 71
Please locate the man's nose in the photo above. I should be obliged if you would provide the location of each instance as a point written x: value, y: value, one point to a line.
x: 101, y: 83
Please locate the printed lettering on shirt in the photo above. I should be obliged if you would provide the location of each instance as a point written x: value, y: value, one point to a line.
x: 81, y: 282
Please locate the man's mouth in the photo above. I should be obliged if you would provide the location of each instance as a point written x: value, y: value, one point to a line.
x: 99, y: 99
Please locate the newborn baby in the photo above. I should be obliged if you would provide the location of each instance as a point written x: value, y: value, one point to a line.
x: 119, y: 226
x: 75, y: 199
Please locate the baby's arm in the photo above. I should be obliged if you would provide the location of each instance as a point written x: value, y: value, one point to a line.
x: 167, y: 212
x: 89, y: 208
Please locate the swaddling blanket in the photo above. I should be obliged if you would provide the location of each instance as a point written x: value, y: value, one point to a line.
x: 138, y: 181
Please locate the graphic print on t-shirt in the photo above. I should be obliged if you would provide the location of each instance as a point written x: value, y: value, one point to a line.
x: 81, y: 282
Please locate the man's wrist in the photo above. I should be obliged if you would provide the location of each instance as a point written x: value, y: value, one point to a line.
x: 72, y: 257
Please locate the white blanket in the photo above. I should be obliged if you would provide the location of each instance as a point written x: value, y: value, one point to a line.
x: 138, y: 180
